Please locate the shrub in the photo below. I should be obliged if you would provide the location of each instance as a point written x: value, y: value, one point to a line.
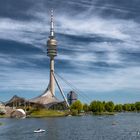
x: 86, y: 107
x: 118, y: 108
x: 96, y: 106
x: 77, y: 105
x: 109, y: 106
x: 74, y: 112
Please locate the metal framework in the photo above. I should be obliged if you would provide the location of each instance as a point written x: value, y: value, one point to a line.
x: 61, y: 91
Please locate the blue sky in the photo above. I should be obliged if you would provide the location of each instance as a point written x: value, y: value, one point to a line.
x: 98, y: 48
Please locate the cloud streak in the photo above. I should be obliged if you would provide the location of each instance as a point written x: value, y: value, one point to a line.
x: 101, y: 48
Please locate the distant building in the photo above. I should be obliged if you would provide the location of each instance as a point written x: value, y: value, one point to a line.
x: 16, y: 101
x: 72, y: 97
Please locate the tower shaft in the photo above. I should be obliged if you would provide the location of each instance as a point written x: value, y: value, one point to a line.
x: 52, y: 80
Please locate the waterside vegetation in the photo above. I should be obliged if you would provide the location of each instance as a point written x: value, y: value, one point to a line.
x: 78, y: 108
x: 46, y: 113
x: 3, y: 116
x: 104, y: 108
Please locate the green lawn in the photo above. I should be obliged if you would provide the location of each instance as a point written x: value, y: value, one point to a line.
x: 47, y: 113
x: 3, y: 116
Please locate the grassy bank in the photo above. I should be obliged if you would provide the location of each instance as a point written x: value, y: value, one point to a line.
x: 3, y: 116
x: 47, y: 113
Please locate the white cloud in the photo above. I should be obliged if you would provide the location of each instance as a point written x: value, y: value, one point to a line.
x: 94, y: 25
x: 128, y: 78
x: 29, y: 31
x: 9, y: 60
x: 34, y: 32
x: 17, y: 79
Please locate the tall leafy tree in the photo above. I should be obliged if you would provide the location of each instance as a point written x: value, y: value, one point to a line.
x: 127, y: 107
x: 77, y: 105
x: 137, y: 105
x: 86, y: 107
x: 118, y: 108
x: 96, y: 106
x: 109, y: 106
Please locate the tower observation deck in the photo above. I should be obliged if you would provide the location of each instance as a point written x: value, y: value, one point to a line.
x: 48, y: 97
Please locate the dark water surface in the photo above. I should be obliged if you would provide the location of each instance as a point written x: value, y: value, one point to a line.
x: 125, y: 126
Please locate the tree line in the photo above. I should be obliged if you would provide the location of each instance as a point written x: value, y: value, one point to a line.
x: 102, y: 106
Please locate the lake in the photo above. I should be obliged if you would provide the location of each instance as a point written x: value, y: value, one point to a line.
x: 124, y: 126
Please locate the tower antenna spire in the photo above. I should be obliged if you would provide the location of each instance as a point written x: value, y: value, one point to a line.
x: 52, y: 25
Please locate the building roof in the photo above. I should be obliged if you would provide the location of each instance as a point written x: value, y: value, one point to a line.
x: 16, y: 98
x: 21, y: 110
x: 46, y: 98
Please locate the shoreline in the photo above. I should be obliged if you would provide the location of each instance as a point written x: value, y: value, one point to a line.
x: 53, y: 113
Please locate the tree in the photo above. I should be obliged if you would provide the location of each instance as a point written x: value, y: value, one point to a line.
x: 127, y: 107
x: 96, y: 106
x: 109, y: 106
x: 86, y: 107
x: 77, y: 105
x: 137, y: 105
x: 133, y: 107
x: 118, y: 108
x: 74, y: 112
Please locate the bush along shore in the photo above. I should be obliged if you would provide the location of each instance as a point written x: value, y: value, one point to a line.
x: 103, y: 108
x: 78, y: 109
